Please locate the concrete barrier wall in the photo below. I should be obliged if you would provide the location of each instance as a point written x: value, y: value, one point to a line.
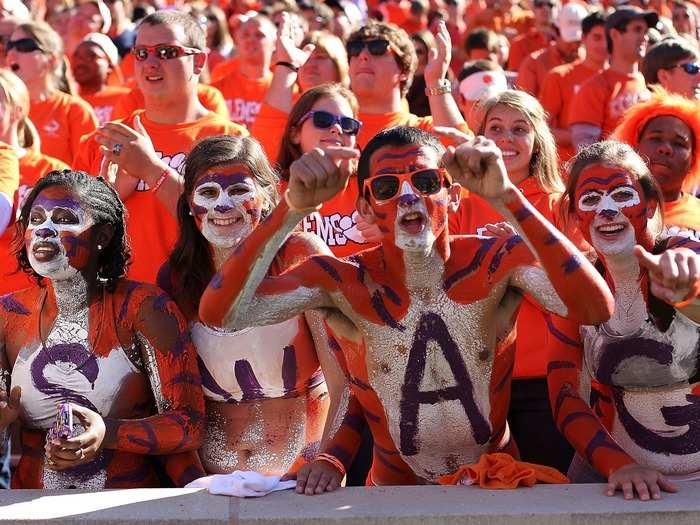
x: 540, y: 505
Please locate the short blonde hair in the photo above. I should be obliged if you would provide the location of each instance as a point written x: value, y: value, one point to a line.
x: 17, y: 97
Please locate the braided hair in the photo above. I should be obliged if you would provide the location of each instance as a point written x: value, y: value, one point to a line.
x: 104, y: 205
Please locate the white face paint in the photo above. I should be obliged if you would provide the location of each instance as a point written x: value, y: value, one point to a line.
x: 412, y: 226
x: 51, y: 231
x: 611, y: 231
x: 224, y: 213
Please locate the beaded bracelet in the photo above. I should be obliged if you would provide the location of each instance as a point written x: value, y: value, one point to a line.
x: 330, y: 458
x: 161, y: 179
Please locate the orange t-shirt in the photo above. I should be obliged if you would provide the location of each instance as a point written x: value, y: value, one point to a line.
x: 61, y: 121
x: 523, y: 46
x: 223, y: 69
x: 559, y: 87
x: 103, y: 101
x: 151, y: 228
x: 604, y: 98
x: 268, y: 129
x: 474, y: 213
x: 32, y: 166
x: 535, y: 67
x: 373, y: 124
x: 243, y: 96
x: 683, y: 212
x: 210, y: 97
x: 516, y: 21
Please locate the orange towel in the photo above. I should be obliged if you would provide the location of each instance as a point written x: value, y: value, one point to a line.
x: 502, y: 471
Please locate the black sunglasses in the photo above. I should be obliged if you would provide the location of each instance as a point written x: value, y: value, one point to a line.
x: 325, y: 119
x: 23, y: 45
x: 543, y: 4
x: 425, y: 181
x: 690, y: 68
x: 376, y: 47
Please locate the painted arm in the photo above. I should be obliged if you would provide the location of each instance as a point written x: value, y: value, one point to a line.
x: 478, y: 165
x: 171, y: 364
x: 568, y: 387
x: 443, y: 108
x: 241, y: 295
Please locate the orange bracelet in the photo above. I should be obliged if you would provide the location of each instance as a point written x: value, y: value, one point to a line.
x: 161, y: 179
x: 330, y: 458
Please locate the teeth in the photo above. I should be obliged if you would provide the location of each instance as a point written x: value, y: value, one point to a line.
x: 611, y: 228
x: 223, y: 222
x: 154, y: 78
x: 412, y: 216
x: 509, y: 153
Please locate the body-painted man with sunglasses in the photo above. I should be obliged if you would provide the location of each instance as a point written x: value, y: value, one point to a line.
x: 148, y: 149
x: 424, y: 319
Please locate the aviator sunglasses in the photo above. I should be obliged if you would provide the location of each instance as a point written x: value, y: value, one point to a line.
x: 23, y: 45
x: 426, y: 181
x: 163, y: 51
x: 376, y: 47
x: 690, y: 68
x: 325, y: 119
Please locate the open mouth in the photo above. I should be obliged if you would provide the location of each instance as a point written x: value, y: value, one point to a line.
x: 611, y: 230
x: 412, y: 223
x: 154, y: 78
x: 14, y: 67
x: 332, y: 142
x: 45, y: 251
x: 509, y: 153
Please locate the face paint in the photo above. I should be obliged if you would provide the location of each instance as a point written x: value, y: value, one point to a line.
x: 56, y: 238
x: 226, y: 204
x: 611, y: 209
x: 412, y: 221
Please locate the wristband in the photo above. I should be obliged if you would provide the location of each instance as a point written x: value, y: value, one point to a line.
x: 288, y: 65
x: 161, y: 179
x: 329, y: 458
x: 443, y: 87
x: 303, y: 211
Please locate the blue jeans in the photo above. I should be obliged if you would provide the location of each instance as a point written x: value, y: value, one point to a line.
x: 5, y: 465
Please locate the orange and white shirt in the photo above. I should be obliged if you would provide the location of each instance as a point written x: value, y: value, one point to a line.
x: 103, y: 102
x: 243, y: 95
x: 61, y: 121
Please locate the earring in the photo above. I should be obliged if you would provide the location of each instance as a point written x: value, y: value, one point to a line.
x: 99, y: 246
x: 190, y: 213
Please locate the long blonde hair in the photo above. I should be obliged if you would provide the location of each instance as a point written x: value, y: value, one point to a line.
x: 50, y: 43
x: 17, y: 97
x: 544, y: 163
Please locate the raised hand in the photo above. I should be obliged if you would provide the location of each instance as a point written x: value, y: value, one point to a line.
x: 69, y: 453
x: 289, y: 38
x: 646, y: 482
x: 319, y: 175
x: 131, y: 149
x: 674, y: 275
x: 9, y: 407
x: 439, y: 58
x: 477, y: 164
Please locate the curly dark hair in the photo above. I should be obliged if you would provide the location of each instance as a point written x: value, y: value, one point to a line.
x: 105, y: 207
x: 191, y: 261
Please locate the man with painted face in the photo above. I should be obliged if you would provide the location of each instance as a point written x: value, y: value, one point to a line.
x: 418, y: 290
x: 643, y: 426
x: 149, y: 147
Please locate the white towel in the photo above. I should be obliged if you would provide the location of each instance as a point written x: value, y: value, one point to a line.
x: 242, y: 484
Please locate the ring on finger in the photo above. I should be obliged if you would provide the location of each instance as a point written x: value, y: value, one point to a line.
x: 117, y: 148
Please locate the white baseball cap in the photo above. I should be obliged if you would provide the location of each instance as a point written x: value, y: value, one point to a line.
x: 105, y: 43
x: 569, y: 21
x: 483, y: 84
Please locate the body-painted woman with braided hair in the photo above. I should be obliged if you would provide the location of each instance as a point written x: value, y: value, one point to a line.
x: 117, y: 351
x: 643, y: 362
x: 426, y: 319
x: 266, y: 398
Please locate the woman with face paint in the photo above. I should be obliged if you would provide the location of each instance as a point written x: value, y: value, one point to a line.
x: 665, y: 131
x: 643, y: 428
x: 117, y: 351
x: 266, y: 398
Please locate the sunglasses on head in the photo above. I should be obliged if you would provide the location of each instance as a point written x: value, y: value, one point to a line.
x: 426, y: 181
x: 325, y: 119
x: 163, y: 51
x: 543, y: 4
x: 690, y: 68
x: 377, y: 47
x: 23, y: 45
